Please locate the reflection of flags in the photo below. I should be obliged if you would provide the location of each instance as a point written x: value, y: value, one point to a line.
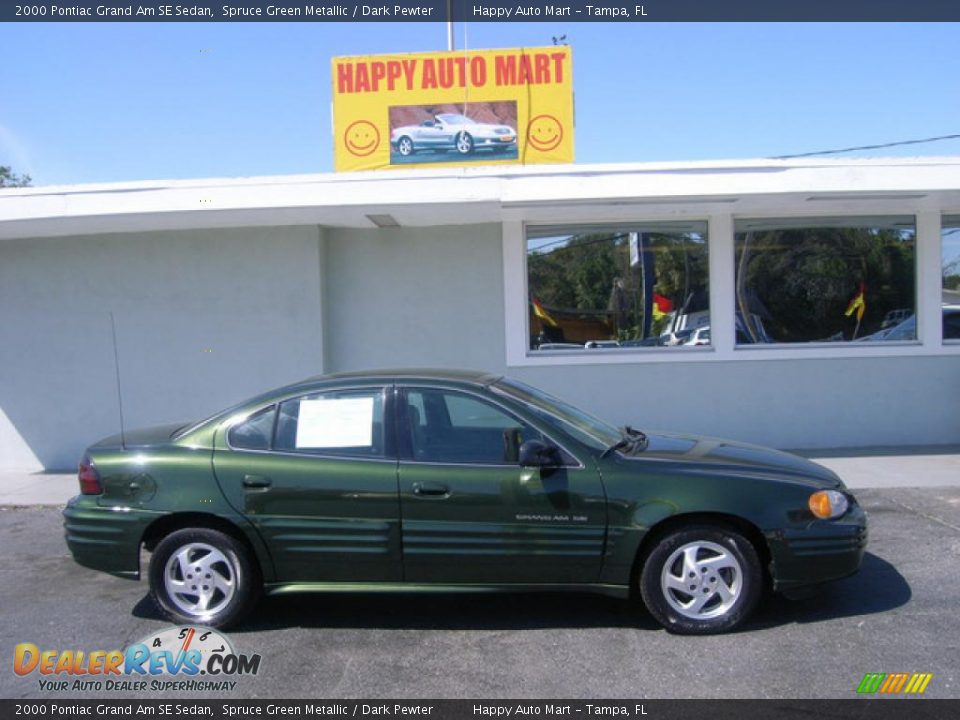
x: 543, y: 314
x: 661, y: 306
x: 858, y: 304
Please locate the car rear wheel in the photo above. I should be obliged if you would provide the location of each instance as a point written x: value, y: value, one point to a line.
x: 701, y: 580
x: 405, y: 146
x: 464, y: 143
x: 203, y: 576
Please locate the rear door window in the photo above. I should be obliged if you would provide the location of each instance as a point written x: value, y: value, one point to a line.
x: 255, y: 432
x: 345, y: 422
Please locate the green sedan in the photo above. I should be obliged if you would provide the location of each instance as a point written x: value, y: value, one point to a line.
x: 455, y: 482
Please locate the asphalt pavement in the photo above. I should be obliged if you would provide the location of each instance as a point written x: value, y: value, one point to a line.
x: 899, y: 614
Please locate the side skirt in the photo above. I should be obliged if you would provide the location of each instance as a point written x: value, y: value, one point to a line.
x: 617, y: 591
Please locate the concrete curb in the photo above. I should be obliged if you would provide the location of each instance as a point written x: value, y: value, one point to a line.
x: 888, y: 471
x: 32, y: 489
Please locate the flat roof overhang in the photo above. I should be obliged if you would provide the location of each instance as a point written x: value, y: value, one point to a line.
x: 465, y: 196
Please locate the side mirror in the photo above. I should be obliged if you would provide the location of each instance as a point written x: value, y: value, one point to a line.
x: 534, y: 453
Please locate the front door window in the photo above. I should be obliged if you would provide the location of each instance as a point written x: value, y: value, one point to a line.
x: 451, y: 427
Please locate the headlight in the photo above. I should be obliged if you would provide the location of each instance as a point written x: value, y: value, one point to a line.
x: 828, y: 504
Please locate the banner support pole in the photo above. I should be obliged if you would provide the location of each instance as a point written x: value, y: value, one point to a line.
x: 450, y: 25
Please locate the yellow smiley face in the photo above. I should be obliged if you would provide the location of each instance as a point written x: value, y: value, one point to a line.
x: 544, y: 132
x: 361, y: 138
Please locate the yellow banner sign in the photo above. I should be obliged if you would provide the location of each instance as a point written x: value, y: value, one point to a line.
x: 463, y: 108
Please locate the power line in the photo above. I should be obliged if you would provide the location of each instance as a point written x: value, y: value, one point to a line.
x: 560, y: 241
x: 867, y: 147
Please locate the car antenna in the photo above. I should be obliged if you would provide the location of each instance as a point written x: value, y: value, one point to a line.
x: 116, y: 366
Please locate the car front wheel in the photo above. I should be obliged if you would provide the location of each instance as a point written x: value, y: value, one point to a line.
x: 701, y: 580
x: 464, y: 143
x: 203, y: 576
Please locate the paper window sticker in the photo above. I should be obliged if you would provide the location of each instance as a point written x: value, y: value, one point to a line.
x: 335, y: 423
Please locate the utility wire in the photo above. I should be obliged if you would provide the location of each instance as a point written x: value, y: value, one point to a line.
x: 560, y: 241
x: 867, y: 147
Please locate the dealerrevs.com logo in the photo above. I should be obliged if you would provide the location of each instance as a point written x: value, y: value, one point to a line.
x: 894, y: 683
x: 181, y: 659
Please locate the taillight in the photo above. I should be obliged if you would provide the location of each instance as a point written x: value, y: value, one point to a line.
x: 89, y: 477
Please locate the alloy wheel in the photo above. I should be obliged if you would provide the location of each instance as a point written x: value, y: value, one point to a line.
x: 464, y: 143
x: 701, y: 580
x: 199, y: 579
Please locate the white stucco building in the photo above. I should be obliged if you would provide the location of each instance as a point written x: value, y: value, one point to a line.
x: 176, y: 299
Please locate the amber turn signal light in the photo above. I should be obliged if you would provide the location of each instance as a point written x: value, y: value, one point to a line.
x: 827, y: 504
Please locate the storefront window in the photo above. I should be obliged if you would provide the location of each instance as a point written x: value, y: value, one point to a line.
x: 951, y: 278
x: 604, y: 287
x: 841, y: 279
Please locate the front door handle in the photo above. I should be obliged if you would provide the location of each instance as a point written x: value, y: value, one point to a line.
x: 256, y: 481
x: 431, y: 490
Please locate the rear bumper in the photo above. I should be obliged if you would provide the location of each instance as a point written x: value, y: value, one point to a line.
x: 104, y: 538
x: 820, y: 552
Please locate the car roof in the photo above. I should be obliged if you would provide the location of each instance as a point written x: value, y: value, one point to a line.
x: 473, y: 377
x: 361, y: 377
x: 420, y: 373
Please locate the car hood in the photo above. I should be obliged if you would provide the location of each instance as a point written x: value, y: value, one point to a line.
x: 728, y: 457
x: 141, y: 437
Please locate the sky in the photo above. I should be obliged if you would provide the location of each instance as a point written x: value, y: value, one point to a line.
x: 105, y: 102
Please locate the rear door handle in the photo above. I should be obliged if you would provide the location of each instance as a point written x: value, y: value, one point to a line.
x: 256, y: 481
x: 432, y: 490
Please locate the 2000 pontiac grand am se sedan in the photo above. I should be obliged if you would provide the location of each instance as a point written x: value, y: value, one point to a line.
x: 434, y: 480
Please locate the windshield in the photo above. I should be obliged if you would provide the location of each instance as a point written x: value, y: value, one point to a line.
x: 573, y: 421
x: 451, y: 119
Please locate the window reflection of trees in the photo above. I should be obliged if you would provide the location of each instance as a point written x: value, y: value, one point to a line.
x: 951, y: 257
x: 591, y: 274
x: 796, y: 283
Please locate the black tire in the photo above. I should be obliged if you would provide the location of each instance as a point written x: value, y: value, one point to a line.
x: 464, y: 143
x: 405, y: 146
x: 727, y: 579
x: 208, y: 556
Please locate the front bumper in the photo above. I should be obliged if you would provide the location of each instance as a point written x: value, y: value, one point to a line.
x: 495, y: 142
x: 822, y: 551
